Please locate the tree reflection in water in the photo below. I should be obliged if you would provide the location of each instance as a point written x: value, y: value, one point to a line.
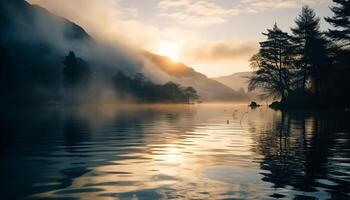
x: 306, y: 151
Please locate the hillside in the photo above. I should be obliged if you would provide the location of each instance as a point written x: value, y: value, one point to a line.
x: 235, y: 81
x: 239, y: 81
x: 35, y: 42
x: 208, y: 89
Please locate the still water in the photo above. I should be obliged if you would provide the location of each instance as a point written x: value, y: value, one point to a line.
x: 173, y: 152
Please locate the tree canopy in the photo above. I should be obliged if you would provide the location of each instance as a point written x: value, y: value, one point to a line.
x: 309, y: 45
x: 309, y: 67
x: 144, y: 90
x: 273, y: 64
x: 340, y: 22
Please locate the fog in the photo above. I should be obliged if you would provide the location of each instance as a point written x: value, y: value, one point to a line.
x: 112, y: 46
x: 38, y: 37
x: 37, y: 42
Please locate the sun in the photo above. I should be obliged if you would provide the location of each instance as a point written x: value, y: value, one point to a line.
x: 169, y: 49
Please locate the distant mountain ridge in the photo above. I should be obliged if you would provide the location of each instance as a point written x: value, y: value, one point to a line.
x: 208, y: 89
x: 236, y: 81
x: 240, y: 81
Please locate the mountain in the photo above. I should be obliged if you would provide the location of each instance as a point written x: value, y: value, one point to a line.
x: 34, y: 44
x: 208, y: 89
x: 236, y: 81
x: 239, y: 81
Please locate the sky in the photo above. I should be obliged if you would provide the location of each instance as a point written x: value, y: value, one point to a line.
x: 215, y: 37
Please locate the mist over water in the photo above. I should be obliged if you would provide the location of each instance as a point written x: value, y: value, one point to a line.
x: 173, y: 152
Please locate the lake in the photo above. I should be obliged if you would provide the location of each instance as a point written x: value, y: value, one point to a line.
x: 214, y: 151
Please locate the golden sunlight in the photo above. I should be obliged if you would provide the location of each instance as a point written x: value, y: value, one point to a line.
x: 169, y: 49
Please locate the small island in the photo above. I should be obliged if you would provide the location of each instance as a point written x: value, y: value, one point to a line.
x: 253, y: 105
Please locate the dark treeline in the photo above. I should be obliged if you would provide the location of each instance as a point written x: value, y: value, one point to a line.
x: 309, y: 67
x: 144, y: 90
x: 75, y: 84
x: 77, y: 78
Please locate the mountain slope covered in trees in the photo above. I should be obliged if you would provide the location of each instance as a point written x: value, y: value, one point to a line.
x: 31, y: 62
x: 36, y: 66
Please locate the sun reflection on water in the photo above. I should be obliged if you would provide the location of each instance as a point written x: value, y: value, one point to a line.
x: 180, y: 152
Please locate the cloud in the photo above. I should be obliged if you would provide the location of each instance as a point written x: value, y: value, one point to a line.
x: 119, y: 35
x: 255, y: 6
x: 218, y: 51
x: 217, y: 58
x: 197, y: 13
x: 113, y: 23
x: 207, y: 13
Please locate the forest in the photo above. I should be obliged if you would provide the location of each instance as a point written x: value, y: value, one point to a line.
x: 308, y: 67
x: 77, y: 86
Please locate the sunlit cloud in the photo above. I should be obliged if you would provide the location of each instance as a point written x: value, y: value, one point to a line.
x: 218, y: 51
x: 218, y: 57
x: 255, y: 6
x: 197, y: 13
x: 191, y: 39
x: 206, y: 13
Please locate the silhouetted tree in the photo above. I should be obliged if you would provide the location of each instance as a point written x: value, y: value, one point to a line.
x: 341, y: 23
x: 76, y: 71
x: 273, y: 64
x: 191, y: 94
x: 77, y: 75
x: 143, y: 90
x: 340, y: 34
x: 173, y: 92
x: 310, y: 48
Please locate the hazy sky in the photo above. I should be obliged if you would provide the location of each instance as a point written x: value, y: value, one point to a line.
x: 215, y: 37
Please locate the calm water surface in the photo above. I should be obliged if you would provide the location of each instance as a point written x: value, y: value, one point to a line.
x: 173, y: 152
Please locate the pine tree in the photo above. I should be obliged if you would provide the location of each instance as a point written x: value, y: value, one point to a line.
x: 274, y: 64
x: 71, y: 70
x: 310, y: 48
x: 341, y: 22
x: 341, y: 53
x: 77, y: 75
x: 76, y: 71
